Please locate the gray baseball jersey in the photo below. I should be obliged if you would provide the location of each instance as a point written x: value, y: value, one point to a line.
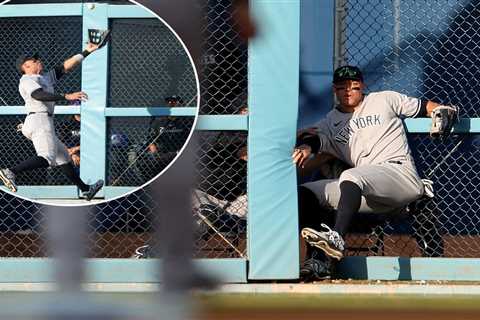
x: 30, y: 83
x: 38, y: 126
x: 373, y: 141
x: 373, y: 134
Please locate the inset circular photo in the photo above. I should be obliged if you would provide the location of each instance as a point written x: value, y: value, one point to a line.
x: 96, y: 99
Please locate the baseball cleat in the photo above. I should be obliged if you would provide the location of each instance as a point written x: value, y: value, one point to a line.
x: 8, y: 179
x: 93, y: 190
x: 316, y: 267
x: 328, y: 241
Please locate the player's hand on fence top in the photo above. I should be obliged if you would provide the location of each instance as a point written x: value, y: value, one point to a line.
x: 443, y: 119
x: 76, y: 96
x: 301, y: 154
x: 91, y: 47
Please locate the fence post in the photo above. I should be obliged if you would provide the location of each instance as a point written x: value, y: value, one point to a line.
x: 273, y: 104
x: 94, y: 83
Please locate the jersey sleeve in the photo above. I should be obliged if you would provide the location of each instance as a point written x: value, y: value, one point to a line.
x: 323, y: 133
x: 52, y: 76
x: 403, y: 105
x: 59, y: 72
x: 28, y: 86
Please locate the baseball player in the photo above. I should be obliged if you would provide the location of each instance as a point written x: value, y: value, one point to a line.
x: 37, y: 90
x: 366, y: 132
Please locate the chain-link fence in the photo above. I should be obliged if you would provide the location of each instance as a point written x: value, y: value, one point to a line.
x: 147, y: 57
x: 138, y: 147
x: 141, y: 148
x: 425, y: 49
x: 54, y: 38
x: 147, y: 63
x: 220, y: 199
x: 425, y: 53
x: 224, y: 64
x: 20, y: 227
x: 15, y: 148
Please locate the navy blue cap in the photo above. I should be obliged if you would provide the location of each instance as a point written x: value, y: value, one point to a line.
x: 25, y: 57
x: 347, y: 73
x: 173, y: 99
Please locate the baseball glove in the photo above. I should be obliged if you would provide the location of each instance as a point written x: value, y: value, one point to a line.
x: 443, y: 119
x: 99, y: 37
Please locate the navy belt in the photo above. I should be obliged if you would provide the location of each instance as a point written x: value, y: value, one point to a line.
x: 395, y: 162
x: 49, y: 114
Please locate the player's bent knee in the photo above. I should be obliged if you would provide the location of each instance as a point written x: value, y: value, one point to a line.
x: 415, y: 194
x: 350, y: 176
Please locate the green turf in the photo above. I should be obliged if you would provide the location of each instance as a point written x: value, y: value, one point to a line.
x: 289, y: 301
x: 338, y: 302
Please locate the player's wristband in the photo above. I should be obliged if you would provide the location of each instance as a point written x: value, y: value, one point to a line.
x: 78, y: 58
x: 422, y: 112
x: 86, y: 53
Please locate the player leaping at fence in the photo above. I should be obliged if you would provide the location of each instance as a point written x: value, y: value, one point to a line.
x: 37, y: 90
x: 367, y: 133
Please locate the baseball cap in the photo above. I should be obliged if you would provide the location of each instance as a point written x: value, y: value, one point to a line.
x: 25, y: 57
x: 173, y: 99
x: 347, y: 73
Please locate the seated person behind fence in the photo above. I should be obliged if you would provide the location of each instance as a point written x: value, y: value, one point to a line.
x: 221, y: 197
x: 222, y: 192
x: 158, y: 124
x: 166, y: 137
x: 367, y: 133
x: 37, y: 89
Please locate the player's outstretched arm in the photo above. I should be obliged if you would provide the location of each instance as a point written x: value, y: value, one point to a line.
x: 42, y: 95
x: 80, y: 95
x: 77, y: 59
x: 431, y: 106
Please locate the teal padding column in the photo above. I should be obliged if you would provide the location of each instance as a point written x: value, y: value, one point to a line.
x: 94, y: 83
x: 273, y: 242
